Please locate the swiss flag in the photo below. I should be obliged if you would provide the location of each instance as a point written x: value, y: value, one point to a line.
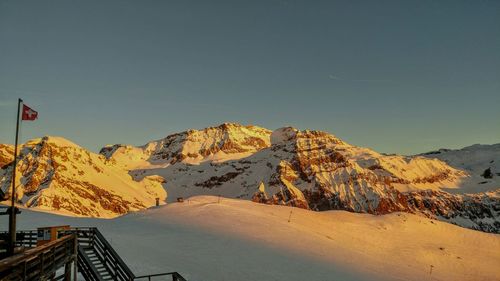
x: 29, y: 114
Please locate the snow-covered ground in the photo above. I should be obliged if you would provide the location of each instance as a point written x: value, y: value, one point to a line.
x: 210, y: 238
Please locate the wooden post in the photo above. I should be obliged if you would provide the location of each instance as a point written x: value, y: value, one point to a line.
x: 67, y: 271
x: 75, y: 257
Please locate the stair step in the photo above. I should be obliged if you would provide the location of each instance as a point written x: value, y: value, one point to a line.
x: 94, y: 250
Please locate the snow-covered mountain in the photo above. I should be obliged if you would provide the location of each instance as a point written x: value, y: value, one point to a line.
x: 56, y: 174
x: 309, y: 169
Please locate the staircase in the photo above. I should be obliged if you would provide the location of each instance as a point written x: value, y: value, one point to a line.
x: 93, y: 268
x: 96, y: 259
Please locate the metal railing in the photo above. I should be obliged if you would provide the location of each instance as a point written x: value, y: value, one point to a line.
x: 91, y: 239
x: 175, y: 276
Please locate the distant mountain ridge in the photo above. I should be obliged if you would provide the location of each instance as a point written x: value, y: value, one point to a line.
x: 313, y: 170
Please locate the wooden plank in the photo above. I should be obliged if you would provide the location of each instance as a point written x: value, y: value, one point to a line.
x: 16, y: 259
x: 40, y: 263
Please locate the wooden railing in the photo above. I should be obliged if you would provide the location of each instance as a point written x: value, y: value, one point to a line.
x: 41, y: 263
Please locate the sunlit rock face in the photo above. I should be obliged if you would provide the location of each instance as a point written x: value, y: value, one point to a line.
x: 479, y: 211
x: 6, y: 154
x: 308, y: 169
x: 55, y: 174
x: 226, y: 141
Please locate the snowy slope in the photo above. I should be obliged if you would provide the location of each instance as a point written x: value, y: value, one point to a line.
x: 207, y: 239
x: 475, y: 160
x: 56, y: 174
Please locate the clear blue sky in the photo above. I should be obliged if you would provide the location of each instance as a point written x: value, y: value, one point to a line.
x: 396, y: 76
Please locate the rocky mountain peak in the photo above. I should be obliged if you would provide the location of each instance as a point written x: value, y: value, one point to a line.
x: 52, y: 140
x: 222, y: 142
x: 290, y: 134
x: 6, y: 154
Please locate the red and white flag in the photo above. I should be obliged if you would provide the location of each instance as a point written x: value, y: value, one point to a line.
x: 29, y: 114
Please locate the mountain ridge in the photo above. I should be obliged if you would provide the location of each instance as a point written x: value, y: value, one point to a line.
x: 308, y: 169
x: 316, y: 170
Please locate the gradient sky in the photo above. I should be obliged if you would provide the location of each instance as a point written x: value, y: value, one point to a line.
x: 395, y: 76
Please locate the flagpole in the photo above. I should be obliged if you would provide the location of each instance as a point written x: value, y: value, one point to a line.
x: 12, y: 216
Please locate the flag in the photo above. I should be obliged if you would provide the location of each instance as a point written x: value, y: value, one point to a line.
x: 29, y: 114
